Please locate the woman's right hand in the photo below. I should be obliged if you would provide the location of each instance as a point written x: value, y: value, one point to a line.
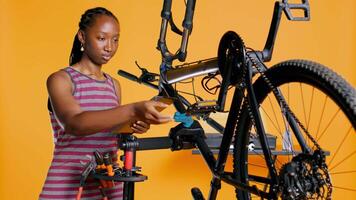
x: 148, y: 111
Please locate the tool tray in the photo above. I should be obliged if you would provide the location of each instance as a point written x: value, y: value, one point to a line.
x: 120, y: 177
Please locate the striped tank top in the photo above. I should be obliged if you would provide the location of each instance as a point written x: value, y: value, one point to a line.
x: 70, y: 152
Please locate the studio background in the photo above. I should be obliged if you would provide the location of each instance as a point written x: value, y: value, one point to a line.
x: 36, y: 38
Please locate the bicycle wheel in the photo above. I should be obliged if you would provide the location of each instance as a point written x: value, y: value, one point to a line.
x: 325, y: 104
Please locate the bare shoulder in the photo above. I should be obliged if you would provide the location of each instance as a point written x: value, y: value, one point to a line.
x: 117, y: 83
x: 59, y: 75
x: 118, y: 89
x: 59, y: 79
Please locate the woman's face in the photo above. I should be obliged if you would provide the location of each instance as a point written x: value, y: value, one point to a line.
x: 101, y: 39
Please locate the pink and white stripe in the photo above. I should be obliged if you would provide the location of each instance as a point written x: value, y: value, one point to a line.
x: 63, y: 176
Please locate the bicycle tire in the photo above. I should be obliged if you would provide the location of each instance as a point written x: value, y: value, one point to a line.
x: 322, y: 82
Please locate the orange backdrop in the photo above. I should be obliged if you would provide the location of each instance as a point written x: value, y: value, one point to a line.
x: 36, y: 38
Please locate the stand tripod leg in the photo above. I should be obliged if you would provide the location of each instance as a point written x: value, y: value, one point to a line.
x: 129, y: 191
x: 103, y: 193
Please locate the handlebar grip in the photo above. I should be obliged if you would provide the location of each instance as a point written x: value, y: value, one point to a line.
x: 189, y: 13
x: 166, y: 10
x: 127, y: 75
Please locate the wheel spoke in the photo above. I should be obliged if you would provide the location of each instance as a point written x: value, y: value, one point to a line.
x: 260, y: 155
x: 343, y: 188
x: 347, y: 157
x: 277, y: 127
x: 273, y: 124
x: 279, y: 132
x: 343, y: 172
x: 256, y: 165
x: 310, y: 108
x: 274, y: 113
x: 301, y: 94
x: 321, y: 116
x: 331, y: 120
x: 338, y: 148
x: 304, y: 112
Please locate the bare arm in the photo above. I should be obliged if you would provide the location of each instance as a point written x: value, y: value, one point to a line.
x: 138, y: 126
x: 79, y: 122
x: 118, y: 89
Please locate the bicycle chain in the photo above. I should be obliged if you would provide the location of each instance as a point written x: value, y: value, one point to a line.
x: 259, y: 68
x: 281, y: 99
x: 243, y: 85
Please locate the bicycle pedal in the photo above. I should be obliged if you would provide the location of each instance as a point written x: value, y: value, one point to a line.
x: 197, y: 194
x: 202, y: 107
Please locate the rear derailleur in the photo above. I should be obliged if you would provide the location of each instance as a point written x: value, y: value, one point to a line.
x: 305, y: 177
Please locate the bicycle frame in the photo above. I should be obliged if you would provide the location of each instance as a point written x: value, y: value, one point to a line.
x: 169, y: 76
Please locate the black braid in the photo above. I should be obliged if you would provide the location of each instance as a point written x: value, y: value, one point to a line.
x: 87, y: 20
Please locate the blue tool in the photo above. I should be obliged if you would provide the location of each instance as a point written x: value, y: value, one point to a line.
x: 184, y: 118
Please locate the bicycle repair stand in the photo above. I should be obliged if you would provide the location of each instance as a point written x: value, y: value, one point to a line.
x: 180, y: 137
x: 107, y: 172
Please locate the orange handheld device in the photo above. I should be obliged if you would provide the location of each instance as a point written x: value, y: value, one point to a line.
x: 126, y: 128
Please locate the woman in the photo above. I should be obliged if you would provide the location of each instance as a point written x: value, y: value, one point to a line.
x: 85, y: 106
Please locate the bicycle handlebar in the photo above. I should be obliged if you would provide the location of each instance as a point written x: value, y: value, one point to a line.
x: 135, y: 79
x: 128, y: 75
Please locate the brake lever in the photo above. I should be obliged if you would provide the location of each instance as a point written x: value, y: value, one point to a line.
x: 146, y: 76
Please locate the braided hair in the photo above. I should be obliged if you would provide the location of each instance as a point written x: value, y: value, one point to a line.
x: 87, y: 20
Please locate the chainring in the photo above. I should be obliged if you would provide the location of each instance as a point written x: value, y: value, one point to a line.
x: 231, y: 57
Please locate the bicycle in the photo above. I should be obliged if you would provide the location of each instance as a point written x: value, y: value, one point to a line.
x: 288, y: 144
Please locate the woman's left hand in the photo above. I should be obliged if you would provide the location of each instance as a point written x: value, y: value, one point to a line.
x: 140, y: 127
